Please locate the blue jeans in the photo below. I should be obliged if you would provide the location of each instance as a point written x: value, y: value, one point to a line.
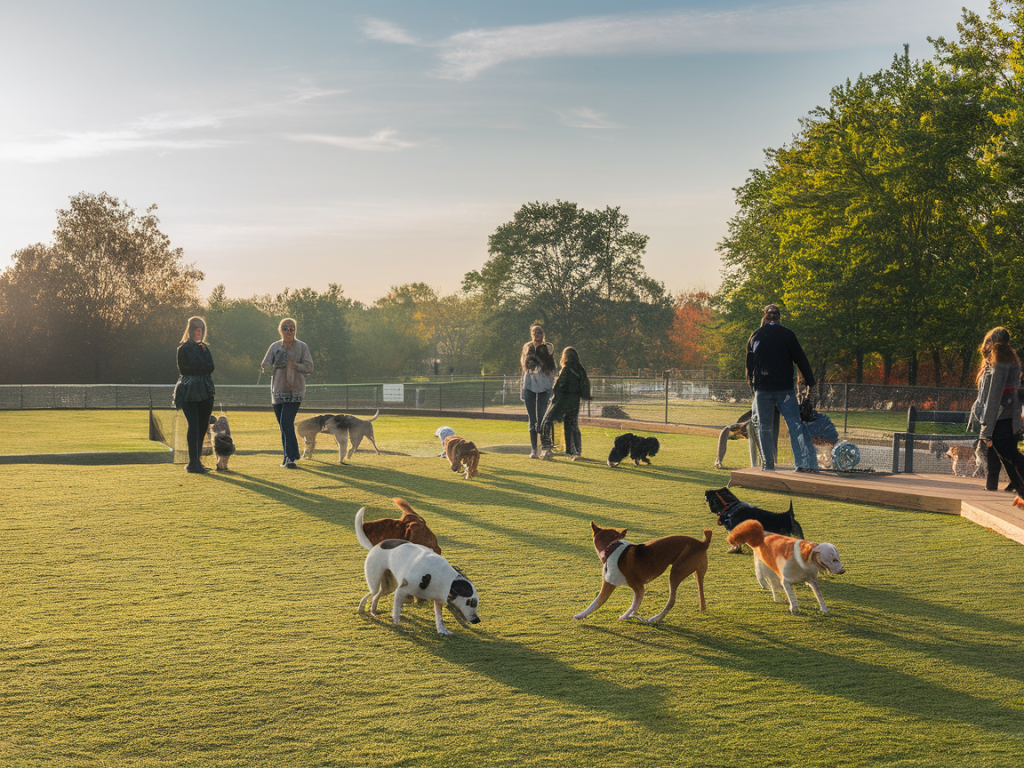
x: 285, y: 413
x: 536, y: 406
x: 804, y: 455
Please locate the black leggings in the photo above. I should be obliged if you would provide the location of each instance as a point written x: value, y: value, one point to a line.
x: 1004, y: 442
x: 197, y: 414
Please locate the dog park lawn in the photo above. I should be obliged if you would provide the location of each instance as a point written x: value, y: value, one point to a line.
x: 149, y: 617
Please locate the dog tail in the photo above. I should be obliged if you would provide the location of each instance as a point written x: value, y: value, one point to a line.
x: 793, y: 524
x: 707, y: 538
x: 374, y: 417
x: 748, y: 532
x: 360, y: 534
x: 403, y: 505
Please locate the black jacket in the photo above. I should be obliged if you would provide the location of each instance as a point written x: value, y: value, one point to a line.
x: 772, y: 351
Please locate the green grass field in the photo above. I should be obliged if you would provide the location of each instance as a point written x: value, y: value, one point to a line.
x: 153, y: 618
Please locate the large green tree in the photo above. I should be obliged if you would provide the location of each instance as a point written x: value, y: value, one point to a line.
x: 578, y: 272
x: 874, y: 229
x: 105, y: 302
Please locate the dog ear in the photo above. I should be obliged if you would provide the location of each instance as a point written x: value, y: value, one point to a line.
x: 460, y: 588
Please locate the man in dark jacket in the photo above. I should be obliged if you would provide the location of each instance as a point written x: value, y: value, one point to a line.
x: 772, y: 351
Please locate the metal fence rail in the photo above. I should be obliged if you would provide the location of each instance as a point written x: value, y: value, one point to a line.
x: 871, y: 416
x: 704, y: 402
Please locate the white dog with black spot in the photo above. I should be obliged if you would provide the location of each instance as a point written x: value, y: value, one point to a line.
x: 412, y: 570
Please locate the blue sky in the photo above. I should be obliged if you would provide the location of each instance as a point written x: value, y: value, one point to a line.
x: 375, y: 144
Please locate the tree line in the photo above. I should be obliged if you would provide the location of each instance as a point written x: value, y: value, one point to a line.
x: 890, y: 230
x: 107, y: 301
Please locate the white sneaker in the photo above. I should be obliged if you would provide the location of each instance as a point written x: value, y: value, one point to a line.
x: 533, y: 454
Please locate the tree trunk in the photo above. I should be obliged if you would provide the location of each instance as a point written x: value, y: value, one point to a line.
x: 937, y: 362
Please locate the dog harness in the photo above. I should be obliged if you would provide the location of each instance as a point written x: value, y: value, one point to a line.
x: 610, y: 558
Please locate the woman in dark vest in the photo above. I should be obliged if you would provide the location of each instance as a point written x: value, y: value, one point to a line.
x: 194, y: 392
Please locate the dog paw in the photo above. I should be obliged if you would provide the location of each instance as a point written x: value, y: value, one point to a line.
x: 444, y: 631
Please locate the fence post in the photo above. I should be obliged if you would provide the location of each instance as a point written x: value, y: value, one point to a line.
x: 666, y: 374
x: 846, y: 406
x: 440, y: 392
x: 483, y: 396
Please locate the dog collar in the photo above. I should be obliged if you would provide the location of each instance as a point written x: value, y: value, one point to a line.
x: 726, y: 508
x: 611, y: 548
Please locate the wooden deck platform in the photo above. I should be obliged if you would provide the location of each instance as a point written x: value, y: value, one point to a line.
x: 964, y: 496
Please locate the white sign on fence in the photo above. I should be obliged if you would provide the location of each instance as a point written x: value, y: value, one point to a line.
x: 394, y: 393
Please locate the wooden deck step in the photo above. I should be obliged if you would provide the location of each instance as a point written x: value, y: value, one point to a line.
x: 962, y: 496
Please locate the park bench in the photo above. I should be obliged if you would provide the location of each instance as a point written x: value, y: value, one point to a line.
x: 917, y: 416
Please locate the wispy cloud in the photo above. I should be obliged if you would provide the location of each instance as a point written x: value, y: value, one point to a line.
x: 167, y: 131
x: 584, y: 117
x: 385, y: 140
x: 149, y: 133
x: 758, y: 28
x: 386, y: 32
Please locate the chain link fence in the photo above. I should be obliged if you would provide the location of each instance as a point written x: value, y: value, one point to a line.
x: 872, y: 417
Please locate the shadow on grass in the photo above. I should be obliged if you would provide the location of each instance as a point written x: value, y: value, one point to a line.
x: 424, y: 495
x: 771, y: 658
x: 911, y: 625
x: 536, y: 673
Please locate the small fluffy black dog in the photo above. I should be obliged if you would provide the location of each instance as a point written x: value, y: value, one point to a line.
x: 731, y: 512
x: 635, y: 447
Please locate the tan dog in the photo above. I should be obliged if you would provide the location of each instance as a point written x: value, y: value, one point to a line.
x: 782, y: 561
x: 968, y: 460
x: 634, y: 565
x: 223, y: 445
x: 343, y: 427
x: 462, y: 455
x: 410, y: 526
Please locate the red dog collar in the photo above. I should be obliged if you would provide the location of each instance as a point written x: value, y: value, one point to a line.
x: 609, y: 549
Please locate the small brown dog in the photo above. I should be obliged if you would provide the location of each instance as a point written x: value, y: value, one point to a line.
x: 410, y: 527
x: 634, y: 565
x: 462, y: 455
x: 223, y: 445
x: 968, y: 460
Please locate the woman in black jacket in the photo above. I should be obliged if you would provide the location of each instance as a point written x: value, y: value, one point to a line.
x: 570, y: 388
x: 194, y: 392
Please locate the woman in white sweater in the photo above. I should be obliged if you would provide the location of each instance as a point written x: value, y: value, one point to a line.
x: 287, y: 362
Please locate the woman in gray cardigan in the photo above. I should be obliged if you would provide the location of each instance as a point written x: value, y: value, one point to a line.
x: 287, y: 362
x: 998, y: 406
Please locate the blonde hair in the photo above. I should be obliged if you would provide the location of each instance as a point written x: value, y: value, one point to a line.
x: 281, y: 325
x: 194, y: 322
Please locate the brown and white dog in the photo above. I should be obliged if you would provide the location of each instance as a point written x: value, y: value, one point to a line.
x: 634, y: 565
x: 968, y: 460
x: 413, y: 571
x: 782, y: 561
x: 462, y: 455
x: 343, y: 427
x: 410, y: 526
